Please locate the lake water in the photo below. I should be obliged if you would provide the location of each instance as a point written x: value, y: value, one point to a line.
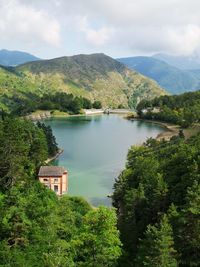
x: 95, y: 150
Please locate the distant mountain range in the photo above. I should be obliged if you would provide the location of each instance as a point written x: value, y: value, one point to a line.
x: 174, y: 80
x: 181, y: 62
x: 96, y: 77
x: 14, y: 58
x: 176, y: 74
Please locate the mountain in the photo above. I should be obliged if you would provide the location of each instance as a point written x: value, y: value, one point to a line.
x: 14, y: 58
x: 174, y: 80
x: 180, y: 62
x: 96, y: 77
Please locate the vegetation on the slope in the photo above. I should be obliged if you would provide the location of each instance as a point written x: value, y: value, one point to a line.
x: 50, y: 138
x: 37, y: 228
x: 174, y: 80
x: 179, y: 109
x: 157, y: 197
x: 59, y: 101
x: 20, y: 95
x: 95, y: 77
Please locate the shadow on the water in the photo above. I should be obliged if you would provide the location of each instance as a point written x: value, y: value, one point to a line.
x: 97, y: 201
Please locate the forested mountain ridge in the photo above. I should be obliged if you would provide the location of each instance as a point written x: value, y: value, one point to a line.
x: 95, y: 76
x: 173, y: 79
x: 14, y: 58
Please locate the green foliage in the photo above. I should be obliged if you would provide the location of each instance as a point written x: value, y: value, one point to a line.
x: 160, y: 178
x: 36, y: 227
x: 182, y: 109
x: 97, y: 104
x: 23, y: 149
x: 50, y: 138
x: 99, y: 242
x: 58, y: 101
x: 156, y: 249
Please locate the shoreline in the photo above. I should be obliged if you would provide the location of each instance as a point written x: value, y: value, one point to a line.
x: 43, y: 115
x: 171, y: 129
x: 60, y: 151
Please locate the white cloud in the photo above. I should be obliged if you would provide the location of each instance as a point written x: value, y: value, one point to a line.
x: 27, y: 24
x: 97, y: 37
x: 132, y: 26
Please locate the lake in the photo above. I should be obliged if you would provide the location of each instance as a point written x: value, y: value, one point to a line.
x: 95, y: 151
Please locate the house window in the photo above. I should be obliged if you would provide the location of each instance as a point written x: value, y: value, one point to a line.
x: 56, y: 188
x: 56, y: 180
x: 45, y: 180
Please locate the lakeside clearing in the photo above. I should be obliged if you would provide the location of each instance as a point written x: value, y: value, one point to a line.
x: 46, y: 114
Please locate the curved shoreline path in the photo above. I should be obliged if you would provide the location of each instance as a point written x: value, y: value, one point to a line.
x: 95, y: 151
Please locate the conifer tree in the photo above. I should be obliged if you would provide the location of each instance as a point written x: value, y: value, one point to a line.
x: 157, y: 247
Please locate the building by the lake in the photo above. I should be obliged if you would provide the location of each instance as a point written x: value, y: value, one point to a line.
x: 55, y: 178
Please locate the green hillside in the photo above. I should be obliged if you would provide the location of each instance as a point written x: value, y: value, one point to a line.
x: 96, y: 77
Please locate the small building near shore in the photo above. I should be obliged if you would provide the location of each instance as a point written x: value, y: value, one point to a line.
x: 55, y: 178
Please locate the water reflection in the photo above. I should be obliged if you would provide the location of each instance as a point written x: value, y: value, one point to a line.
x: 95, y: 150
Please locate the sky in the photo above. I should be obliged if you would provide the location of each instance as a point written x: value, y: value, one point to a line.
x: 119, y: 28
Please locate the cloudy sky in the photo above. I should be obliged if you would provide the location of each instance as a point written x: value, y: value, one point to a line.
x: 51, y: 28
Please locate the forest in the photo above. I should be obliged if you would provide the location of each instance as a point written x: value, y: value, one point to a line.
x: 21, y: 106
x: 183, y: 109
x: 155, y: 220
x: 157, y: 198
x: 37, y: 228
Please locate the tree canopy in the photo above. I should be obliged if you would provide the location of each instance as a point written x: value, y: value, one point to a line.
x: 181, y: 109
x: 157, y: 199
x: 38, y: 229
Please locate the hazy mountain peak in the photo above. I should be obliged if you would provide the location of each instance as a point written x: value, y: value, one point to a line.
x: 97, y: 76
x: 14, y: 58
x: 182, y: 62
x: 173, y: 79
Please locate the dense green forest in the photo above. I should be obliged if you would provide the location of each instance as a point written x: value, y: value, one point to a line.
x: 21, y: 106
x: 179, y: 109
x: 36, y: 227
x: 157, y: 198
x: 157, y: 216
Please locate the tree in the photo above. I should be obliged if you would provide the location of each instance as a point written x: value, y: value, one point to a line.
x: 188, y: 228
x: 97, y: 104
x: 99, y: 243
x: 23, y: 148
x: 157, y: 247
x: 50, y: 138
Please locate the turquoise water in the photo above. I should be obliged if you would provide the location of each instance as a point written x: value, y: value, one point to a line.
x: 95, y: 150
